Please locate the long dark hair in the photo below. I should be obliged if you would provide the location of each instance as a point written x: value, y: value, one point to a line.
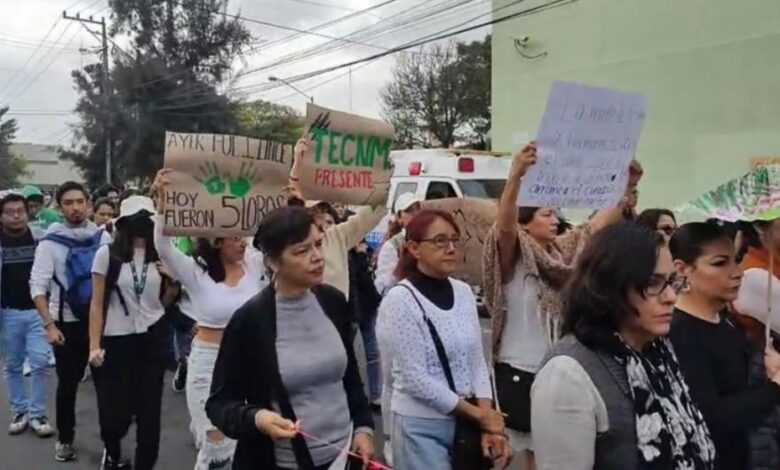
x: 207, y: 256
x: 649, y: 217
x: 127, y: 230
x: 616, y: 260
x: 415, y: 232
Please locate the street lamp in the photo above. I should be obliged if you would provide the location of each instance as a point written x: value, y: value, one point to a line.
x: 281, y: 80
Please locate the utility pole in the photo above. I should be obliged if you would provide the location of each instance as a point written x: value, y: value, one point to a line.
x: 105, y: 85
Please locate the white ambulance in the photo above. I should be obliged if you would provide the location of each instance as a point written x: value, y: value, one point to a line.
x: 443, y: 173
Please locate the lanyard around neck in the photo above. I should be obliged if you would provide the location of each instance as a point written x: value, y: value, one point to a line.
x: 139, y: 285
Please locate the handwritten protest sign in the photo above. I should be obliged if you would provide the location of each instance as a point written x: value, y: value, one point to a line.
x: 585, y: 145
x: 474, y: 218
x: 222, y: 185
x: 350, y: 159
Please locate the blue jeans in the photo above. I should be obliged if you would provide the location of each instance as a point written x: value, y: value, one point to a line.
x: 23, y: 337
x: 422, y: 443
x: 373, y: 363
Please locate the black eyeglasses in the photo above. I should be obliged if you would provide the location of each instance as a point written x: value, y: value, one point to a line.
x: 667, y: 230
x: 658, y: 284
x: 443, y: 241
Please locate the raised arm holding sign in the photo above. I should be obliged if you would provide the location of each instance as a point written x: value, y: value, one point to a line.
x: 222, y: 185
x: 586, y: 142
x: 347, y: 160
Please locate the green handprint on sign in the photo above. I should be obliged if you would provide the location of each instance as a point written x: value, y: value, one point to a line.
x: 210, y: 178
x: 239, y: 187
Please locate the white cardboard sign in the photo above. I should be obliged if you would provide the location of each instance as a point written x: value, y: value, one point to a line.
x: 585, y: 145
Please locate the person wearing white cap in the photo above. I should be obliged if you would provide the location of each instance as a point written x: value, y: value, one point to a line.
x: 127, y: 337
x: 405, y: 208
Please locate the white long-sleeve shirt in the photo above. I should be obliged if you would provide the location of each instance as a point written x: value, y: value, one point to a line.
x: 49, y: 263
x: 341, y: 238
x: 214, y: 302
x: 386, y: 262
x: 567, y: 415
x: 420, y: 387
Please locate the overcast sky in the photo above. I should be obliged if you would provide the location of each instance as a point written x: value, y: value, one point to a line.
x: 34, y: 82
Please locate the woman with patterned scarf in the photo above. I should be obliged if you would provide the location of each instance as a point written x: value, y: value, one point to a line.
x: 611, y: 395
x: 526, y: 264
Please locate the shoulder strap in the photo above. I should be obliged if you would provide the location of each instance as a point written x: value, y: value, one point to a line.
x: 61, y: 240
x: 445, y: 363
x: 112, y: 276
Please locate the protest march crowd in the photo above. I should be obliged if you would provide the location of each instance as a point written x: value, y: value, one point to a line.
x: 625, y: 342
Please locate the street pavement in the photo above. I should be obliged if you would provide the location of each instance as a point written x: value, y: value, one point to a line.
x: 177, y: 451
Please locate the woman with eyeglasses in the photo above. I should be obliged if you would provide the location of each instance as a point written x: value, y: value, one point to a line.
x: 219, y: 279
x: 611, y: 395
x: 430, y: 325
x: 526, y: 263
x: 660, y: 220
x: 714, y: 351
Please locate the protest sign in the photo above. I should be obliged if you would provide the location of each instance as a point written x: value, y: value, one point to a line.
x: 474, y: 218
x: 585, y: 145
x: 350, y: 159
x: 222, y: 185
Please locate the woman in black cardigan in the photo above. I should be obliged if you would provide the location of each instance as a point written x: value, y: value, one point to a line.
x: 291, y: 342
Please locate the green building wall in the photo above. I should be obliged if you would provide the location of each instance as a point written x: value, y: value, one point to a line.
x: 710, y: 70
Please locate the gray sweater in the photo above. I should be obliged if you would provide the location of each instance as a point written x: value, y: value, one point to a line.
x: 312, y: 363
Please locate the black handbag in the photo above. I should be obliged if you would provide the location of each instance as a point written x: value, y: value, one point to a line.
x: 466, y: 453
x: 513, y: 389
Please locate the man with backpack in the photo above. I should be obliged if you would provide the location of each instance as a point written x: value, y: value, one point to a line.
x: 61, y: 287
x: 21, y: 330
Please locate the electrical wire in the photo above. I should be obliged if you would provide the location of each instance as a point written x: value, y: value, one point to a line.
x: 448, y: 7
x: 429, y: 14
x: 45, y: 68
x: 430, y: 38
x: 326, y: 24
x: 547, y: 6
x: 30, y: 57
x: 297, y: 30
x: 51, y: 53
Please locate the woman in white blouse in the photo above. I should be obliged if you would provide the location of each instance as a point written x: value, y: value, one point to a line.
x: 424, y: 402
x: 127, y: 338
x: 222, y: 276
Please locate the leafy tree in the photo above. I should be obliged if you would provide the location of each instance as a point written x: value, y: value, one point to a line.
x: 11, y: 167
x: 169, y: 79
x: 440, y: 96
x: 269, y: 121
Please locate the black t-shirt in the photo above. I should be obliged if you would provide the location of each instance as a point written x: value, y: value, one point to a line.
x: 715, y: 361
x: 18, y: 254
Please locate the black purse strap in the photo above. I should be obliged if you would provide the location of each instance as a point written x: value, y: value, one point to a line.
x: 445, y: 363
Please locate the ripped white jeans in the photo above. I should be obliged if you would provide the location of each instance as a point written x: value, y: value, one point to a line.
x: 211, y: 455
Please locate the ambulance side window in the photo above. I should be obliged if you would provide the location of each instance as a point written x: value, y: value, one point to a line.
x: 440, y: 190
x: 403, y: 188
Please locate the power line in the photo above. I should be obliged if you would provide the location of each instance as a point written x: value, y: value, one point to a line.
x: 297, y: 30
x: 323, y: 5
x: 447, y: 7
x: 46, y: 67
x: 326, y: 24
x: 30, y: 57
x: 537, y: 9
x: 266, y: 87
